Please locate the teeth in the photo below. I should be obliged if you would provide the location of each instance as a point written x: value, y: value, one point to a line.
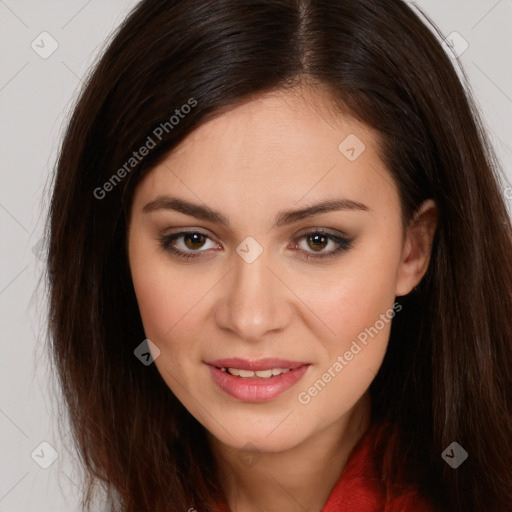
x: 262, y: 374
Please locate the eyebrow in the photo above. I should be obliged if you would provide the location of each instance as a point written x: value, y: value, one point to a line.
x: 284, y: 217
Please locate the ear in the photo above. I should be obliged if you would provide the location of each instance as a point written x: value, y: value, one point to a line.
x: 417, y: 247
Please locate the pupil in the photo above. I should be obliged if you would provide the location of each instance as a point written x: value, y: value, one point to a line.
x: 196, y: 237
x: 317, y: 238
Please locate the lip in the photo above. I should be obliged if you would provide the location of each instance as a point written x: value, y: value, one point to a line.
x: 255, y: 389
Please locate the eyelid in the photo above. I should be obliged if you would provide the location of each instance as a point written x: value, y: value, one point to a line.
x: 170, y: 237
x: 327, y: 231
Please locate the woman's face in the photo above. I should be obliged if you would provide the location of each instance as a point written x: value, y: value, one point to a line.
x: 241, y: 198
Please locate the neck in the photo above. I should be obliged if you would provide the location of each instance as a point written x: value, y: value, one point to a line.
x: 298, y: 479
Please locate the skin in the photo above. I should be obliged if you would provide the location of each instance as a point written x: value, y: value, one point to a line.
x: 277, y: 151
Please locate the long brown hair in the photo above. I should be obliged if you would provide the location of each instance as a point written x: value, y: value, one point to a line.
x: 447, y: 374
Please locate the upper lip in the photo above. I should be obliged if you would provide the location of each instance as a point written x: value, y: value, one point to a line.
x: 255, y: 364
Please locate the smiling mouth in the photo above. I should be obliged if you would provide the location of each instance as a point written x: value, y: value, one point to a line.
x: 262, y: 374
x: 256, y: 381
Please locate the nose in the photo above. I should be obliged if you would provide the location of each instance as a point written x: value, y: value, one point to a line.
x: 255, y: 300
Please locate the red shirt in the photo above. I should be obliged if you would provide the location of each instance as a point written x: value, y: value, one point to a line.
x: 359, y: 489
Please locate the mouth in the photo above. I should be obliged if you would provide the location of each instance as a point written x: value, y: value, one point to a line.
x: 261, y: 374
x: 256, y: 380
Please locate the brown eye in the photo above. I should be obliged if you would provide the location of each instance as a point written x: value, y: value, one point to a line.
x: 186, y: 245
x: 194, y: 241
x: 318, y: 241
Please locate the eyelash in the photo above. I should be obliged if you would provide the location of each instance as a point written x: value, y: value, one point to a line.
x: 344, y: 244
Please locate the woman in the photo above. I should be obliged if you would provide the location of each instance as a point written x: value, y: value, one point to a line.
x: 279, y: 266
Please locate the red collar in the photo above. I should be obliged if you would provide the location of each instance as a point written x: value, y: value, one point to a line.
x: 359, y: 490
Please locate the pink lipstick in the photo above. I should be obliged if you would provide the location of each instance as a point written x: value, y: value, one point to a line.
x: 256, y: 380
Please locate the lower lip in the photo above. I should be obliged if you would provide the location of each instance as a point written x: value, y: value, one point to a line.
x: 255, y: 389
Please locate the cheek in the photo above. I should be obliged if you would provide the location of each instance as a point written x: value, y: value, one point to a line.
x: 351, y: 298
x: 171, y: 301
x: 165, y: 296
x: 154, y: 297
x: 356, y: 303
x: 360, y: 312
x: 163, y: 309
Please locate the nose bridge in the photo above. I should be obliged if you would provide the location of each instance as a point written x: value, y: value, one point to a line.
x: 255, y: 301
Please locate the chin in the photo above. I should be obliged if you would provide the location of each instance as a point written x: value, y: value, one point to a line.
x: 255, y: 439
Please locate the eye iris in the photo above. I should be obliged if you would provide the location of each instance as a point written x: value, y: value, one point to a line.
x: 317, y: 238
x: 198, y: 239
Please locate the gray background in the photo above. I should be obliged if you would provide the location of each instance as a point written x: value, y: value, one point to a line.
x: 35, y: 97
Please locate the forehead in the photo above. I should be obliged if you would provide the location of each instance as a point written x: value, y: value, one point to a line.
x: 278, y: 128
x: 275, y: 150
